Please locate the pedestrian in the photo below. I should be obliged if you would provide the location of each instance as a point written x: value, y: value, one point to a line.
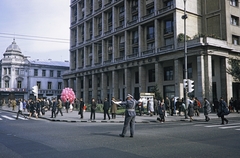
x: 190, y: 110
x: 106, y: 109
x: 38, y: 109
x: 223, y: 110
x: 81, y: 106
x: 206, y: 109
x: 54, y: 107
x: 20, y: 109
x: 130, y: 114
x: 172, y: 105
x: 150, y: 107
x: 59, y: 107
x: 24, y: 105
x: 140, y: 106
x: 155, y: 106
x: 216, y: 105
x: 14, y: 104
x: 67, y: 104
x: 195, y: 107
x: 167, y: 104
x: 113, y: 108
x: 32, y: 108
x: 231, y: 105
x: 93, y: 109
x: 161, y: 111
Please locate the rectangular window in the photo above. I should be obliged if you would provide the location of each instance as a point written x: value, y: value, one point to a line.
x: 151, y: 75
x: 98, y: 81
x: 16, y: 71
x: 6, y: 84
x: 19, y: 84
x: 234, y: 3
x: 59, y: 85
x: 22, y: 72
x: 49, y: 85
x: 150, y: 32
x: 235, y: 40
x: 90, y: 82
x: 51, y: 73
x: 168, y: 73
x: 234, y: 20
x: 9, y: 71
x: 58, y: 73
x: 5, y: 71
x: 39, y: 84
x: 43, y: 73
x: 168, y: 26
x: 35, y: 72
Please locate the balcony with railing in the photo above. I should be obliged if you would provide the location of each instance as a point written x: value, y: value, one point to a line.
x: 122, y: 45
x: 109, y: 2
x: 148, y: 52
x: 150, y: 36
x: 119, y: 59
x: 134, y: 55
x: 165, y: 9
x: 107, y: 32
x: 107, y: 61
x: 132, y: 22
x: 164, y: 48
x: 148, y: 16
x: 119, y: 28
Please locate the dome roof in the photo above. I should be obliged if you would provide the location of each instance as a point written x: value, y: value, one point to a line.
x: 13, y: 47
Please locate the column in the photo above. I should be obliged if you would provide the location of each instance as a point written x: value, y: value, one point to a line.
x: 78, y: 87
x: 207, y: 92
x: 85, y: 89
x: 159, y: 76
x: 71, y: 83
x: 94, y: 86
x: 115, y: 83
x: 142, y: 79
x: 65, y: 83
x: 104, y: 85
x: 199, y: 83
x: 178, y: 78
x: 127, y: 81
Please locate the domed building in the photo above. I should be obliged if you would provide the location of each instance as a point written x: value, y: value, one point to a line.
x: 19, y: 74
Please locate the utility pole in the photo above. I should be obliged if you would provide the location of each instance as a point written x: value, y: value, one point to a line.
x: 184, y: 17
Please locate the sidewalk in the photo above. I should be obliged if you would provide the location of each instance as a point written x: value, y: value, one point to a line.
x: 74, y: 117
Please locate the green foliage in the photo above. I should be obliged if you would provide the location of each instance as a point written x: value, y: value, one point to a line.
x: 181, y: 37
x: 234, y: 68
x: 155, y: 90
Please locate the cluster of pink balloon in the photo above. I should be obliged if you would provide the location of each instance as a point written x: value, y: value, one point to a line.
x: 68, y: 93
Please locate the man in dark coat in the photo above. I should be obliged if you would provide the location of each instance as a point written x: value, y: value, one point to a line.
x: 67, y: 104
x: 81, y: 108
x: 54, y: 107
x: 223, y: 110
x: 130, y: 114
x: 106, y: 108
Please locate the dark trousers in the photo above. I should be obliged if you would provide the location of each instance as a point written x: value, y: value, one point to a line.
x: 224, y: 119
x: 53, y: 114
x: 106, y: 113
x: 81, y: 113
x: 129, y: 120
x: 59, y: 110
x: 92, y: 116
x: 20, y: 112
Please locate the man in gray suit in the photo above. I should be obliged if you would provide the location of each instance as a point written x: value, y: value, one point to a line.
x: 130, y: 114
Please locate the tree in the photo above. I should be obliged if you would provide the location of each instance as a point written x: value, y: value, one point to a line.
x: 234, y: 68
x: 155, y: 90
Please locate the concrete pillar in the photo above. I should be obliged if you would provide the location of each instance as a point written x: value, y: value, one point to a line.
x: 94, y: 86
x: 103, y: 85
x: 200, y: 85
x: 159, y: 76
x: 178, y: 78
x: 207, y: 91
x: 65, y: 83
x: 142, y: 79
x: 115, y: 83
x: 127, y: 81
x: 78, y: 87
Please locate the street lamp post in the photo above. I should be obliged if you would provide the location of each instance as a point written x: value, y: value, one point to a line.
x: 184, y: 17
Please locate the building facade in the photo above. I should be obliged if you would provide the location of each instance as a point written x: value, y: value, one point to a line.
x: 131, y: 46
x: 19, y: 74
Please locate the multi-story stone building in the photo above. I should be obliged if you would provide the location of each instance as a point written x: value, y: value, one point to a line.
x: 19, y: 74
x: 131, y: 46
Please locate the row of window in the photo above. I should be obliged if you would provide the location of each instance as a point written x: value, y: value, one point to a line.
x: 51, y: 73
x: 7, y: 71
x: 49, y: 85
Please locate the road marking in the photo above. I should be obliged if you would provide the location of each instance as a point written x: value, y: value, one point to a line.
x: 20, y: 117
x: 0, y: 118
x: 237, y: 129
x: 223, y: 125
x: 10, y: 118
x: 229, y: 127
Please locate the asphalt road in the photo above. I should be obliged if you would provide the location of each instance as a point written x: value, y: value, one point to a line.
x: 41, y: 138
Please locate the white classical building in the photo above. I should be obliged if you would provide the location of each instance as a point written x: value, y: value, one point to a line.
x: 19, y: 74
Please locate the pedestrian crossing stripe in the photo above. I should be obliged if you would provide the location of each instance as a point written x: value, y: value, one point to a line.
x: 10, y: 118
x: 229, y: 127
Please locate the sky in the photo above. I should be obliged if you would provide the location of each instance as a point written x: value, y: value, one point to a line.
x: 40, y: 28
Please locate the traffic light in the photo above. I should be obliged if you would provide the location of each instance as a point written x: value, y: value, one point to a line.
x: 185, y: 83
x: 190, y: 86
x: 35, y: 91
